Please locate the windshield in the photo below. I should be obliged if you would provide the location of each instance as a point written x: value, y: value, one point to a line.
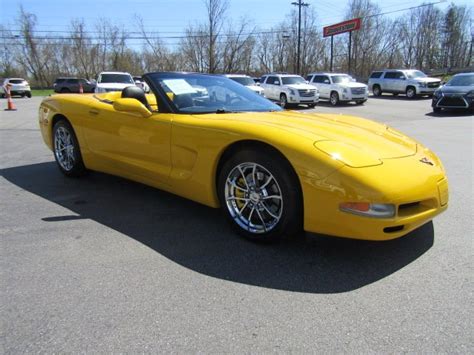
x: 413, y: 74
x: 201, y: 93
x: 116, y: 78
x: 243, y: 80
x: 461, y: 80
x: 288, y: 80
x: 17, y: 81
x: 338, y: 79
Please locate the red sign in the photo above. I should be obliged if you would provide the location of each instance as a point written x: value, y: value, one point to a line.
x: 342, y: 27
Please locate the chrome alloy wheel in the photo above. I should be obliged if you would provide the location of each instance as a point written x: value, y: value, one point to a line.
x: 64, y: 148
x: 253, y: 197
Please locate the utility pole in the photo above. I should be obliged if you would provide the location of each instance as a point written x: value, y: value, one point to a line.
x: 300, y: 4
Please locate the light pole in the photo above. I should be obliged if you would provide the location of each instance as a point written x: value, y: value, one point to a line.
x: 299, y: 3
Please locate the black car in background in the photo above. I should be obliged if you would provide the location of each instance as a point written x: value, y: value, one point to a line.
x: 457, y: 93
x: 69, y: 85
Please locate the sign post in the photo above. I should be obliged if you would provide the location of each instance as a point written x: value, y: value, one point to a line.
x: 342, y: 27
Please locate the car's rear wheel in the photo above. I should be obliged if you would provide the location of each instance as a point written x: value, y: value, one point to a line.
x: 377, y: 91
x: 360, y: 102
x: 334, y: 98
x: 283, y: 101
x: 66, y: 148
x: 28, y: 94
x: 411, y: 92
x: 260, y: 195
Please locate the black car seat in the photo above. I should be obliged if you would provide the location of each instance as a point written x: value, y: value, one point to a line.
x: 134, y: 92
x: 183, y: 101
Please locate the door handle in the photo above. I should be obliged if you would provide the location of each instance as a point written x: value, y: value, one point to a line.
x: 94, y: 112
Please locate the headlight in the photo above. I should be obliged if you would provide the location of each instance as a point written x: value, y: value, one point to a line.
x: 292, y: 92
x: 470, y: 94
x: 422, y: 85
x: 377, y: 210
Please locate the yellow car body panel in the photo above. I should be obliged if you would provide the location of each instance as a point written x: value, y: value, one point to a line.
x: 337, y: 158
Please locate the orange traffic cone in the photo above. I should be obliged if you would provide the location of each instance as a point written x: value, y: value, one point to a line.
x: 81, y: 89
x: 10, y: 105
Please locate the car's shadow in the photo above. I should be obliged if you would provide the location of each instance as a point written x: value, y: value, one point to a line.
x: 197, y: 238
x: 451, y: 113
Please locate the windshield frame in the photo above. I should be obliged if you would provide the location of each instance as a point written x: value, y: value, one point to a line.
x: 347, y: 78
x: 410, y: 74
x: 166, y: 104
x: 303, y: 81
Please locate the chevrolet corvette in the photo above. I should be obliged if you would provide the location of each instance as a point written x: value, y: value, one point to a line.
x: 272, y: 172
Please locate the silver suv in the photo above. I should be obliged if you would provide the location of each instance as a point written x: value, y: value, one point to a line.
x: 289, y: 90
x: 402, y: 81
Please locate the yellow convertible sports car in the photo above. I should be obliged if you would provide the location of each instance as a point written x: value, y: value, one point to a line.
x: 273, y: 172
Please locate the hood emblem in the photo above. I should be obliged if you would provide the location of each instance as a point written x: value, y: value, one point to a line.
x: 425, y: 160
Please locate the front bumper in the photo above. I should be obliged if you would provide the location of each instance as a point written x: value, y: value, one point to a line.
x: 456, y: 101
x: 294, y: 99
x: 418, y: 191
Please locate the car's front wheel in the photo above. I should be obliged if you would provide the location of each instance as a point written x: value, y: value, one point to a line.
x: 376, y: 90
x: 411, y: 92
x: 334, y: 98
x: 66, y: 148
x: 260, y: 195
x: 283, y: 101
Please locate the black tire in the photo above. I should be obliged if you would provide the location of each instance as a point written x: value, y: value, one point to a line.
x: 76, y: 168
x: 334, y: 98
x: 376, y: 90
x: 28, y: 94
x: 65, y: 91
x: 311, y: 105
x: 437, y: 109
x: 284, y: 101
x: 288, y: 210
x: 3, y: 96
x: 360, y: 102
x: 411, y: 92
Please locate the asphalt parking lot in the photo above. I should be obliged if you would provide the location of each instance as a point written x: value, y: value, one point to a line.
x: 101, y: 264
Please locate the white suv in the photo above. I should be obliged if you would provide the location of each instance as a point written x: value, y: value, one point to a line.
x: 113, y: 81
x: 18, y: 86
x: 338, y: 88
x: 289, y: 90
x: 246, y: 81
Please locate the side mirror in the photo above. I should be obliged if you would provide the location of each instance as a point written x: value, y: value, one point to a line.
x: 132, y: 106
x: 353, y: 80
x: 276, y: 82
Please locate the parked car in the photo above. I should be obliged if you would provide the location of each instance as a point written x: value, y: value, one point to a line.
x: 246, y: 81
x: 71, y: 85
x: 113, y: 81
x: 141, y: 83
x: 457, y: 93
x: 272, y: 172
x: 18, y: 86
x: 411, y: 82
x: 338, y: 88
x: 289, y: 90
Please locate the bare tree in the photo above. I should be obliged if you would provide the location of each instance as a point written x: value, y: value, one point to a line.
x: 215, y: 16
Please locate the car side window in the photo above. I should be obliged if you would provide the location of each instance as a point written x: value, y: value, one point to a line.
x: 309, y: 78
x: 270, y: 80
x: 326, y: 80
x: 390, y: 75
x: 376, y: 74
x: 400, y: 75
x: 72, y: 81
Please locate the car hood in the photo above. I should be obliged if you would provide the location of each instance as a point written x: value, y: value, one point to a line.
x: 301, y: 86
x: 255, y: 88
x: 427, y: 80
x: 355, y: 141
x: 353, y: 85
x: 113, y: 85
x: 456, y: 89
